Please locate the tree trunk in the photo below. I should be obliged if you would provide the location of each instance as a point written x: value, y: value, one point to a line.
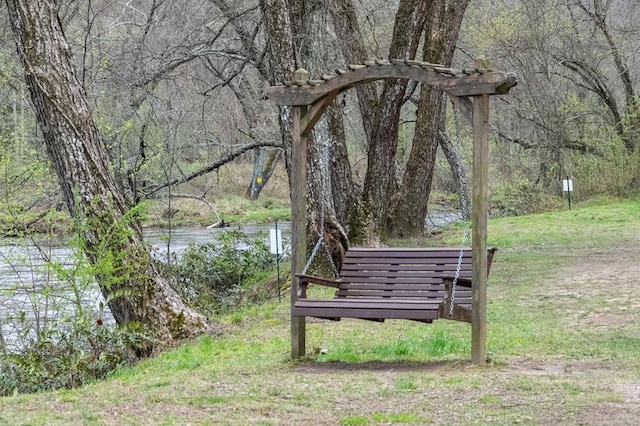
x: 409, y: 209
x: 329, y: 184
x: 457, y: 170
x: 127, y: 274
x: 264, y: 164
x: 322, y: 193
x: 282, y: 62
x: 380, y: 114
x: 346, y: 194
x: 410, y: 203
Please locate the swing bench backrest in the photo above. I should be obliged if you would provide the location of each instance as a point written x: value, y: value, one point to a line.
x: 408, y: 283
x: 407, y: 272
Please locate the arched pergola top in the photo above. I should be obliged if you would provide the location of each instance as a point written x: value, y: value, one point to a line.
x: 480, y: 80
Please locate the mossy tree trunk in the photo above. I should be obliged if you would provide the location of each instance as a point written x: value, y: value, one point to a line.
x: 127, y: 274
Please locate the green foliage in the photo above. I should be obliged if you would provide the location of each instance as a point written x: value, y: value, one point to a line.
x: 217, y: 276
x: 66, y: 340
x: 515, y: 199
x: 69, y: 353
x: 26, y: 189
x: 617, y: 173
x: 69, y: 338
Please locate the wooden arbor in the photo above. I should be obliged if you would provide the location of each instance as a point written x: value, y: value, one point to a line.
x: 468, y: 88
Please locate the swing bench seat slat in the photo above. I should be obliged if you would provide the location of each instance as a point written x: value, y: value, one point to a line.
x: 394, y: 283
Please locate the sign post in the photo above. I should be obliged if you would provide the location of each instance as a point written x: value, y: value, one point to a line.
x: 275, y: 239
x: 567, y: 186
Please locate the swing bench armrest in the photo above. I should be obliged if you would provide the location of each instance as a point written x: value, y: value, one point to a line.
x: 463, y: 282
x: 466, y: 282
x: 456, y: 312
x: 304, y: 281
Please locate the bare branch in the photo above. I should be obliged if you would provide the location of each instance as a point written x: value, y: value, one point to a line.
x: 201, y: 198
x: 150, y: 190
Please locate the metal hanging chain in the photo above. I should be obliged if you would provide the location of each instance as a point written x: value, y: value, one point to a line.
x: 465, y: 237
x: 313, y: 254
x: 334, y: 268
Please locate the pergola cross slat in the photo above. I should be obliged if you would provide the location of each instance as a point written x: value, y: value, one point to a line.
x: 468, y: 88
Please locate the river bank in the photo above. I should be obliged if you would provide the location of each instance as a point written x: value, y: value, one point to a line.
x: 234, y: 210
x: 36, y: 275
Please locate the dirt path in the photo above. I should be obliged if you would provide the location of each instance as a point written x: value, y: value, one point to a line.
x: 600, y: 292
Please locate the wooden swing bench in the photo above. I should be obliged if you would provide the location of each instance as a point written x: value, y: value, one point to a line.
x: 395, y: 283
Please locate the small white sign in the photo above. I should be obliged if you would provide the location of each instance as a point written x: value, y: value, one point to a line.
x: 567, y: 185
x: 275, y: 240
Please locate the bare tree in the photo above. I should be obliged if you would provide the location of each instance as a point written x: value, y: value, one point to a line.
x: 369, y: 218
x: 380, y: 111
x: 588, y: 72
x: 577, y: 97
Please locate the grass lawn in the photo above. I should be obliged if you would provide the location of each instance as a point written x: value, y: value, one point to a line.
x: 563, y: 341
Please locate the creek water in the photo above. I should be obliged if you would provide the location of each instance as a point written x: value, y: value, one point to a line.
x: 30, y: 287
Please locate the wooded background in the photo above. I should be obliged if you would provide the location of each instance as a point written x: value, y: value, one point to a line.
x: 176, y: 89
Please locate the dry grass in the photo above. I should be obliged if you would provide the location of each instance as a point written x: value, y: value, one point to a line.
x: 235, y: 177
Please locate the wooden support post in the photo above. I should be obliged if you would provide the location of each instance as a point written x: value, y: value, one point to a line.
x: 299, y: 151
x: 479, y: 221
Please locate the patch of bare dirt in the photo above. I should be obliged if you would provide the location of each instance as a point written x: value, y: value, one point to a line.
x: 523, y: 366
x: 600, y: 290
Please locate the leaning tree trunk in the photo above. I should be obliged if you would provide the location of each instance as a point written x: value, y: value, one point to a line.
x: 265, y: 162
x: 409, y: 208
x: 457, y: 171
x: 127, y: 274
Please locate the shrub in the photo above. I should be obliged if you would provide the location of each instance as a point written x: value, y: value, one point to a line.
x: 515, y: 199
x: 68, y: 354
x: 215, y: 276
x: 56, y: 336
